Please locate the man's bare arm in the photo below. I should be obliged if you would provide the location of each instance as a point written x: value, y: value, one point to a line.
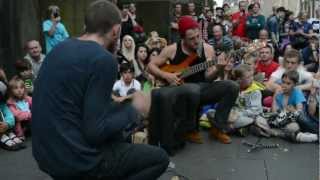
x: 155, y: 63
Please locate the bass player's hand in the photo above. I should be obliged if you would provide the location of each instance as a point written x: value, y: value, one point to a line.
x: 172, y: 78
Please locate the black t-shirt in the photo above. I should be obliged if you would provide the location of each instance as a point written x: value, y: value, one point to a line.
x: 181, y: 56
x: 73, y: 115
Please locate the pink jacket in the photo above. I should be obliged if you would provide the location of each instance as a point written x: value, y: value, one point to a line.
x: 18, y: 114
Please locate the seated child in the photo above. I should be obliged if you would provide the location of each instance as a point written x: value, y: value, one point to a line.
x: 251, y: 61
x: 8, y: 139
x: 289, y: 104
x: 127, y: 85
x: 20, y: 105
x: 260, y: 78
x: 249, y: 104
x: 311, y: 121
x: 24, y: 70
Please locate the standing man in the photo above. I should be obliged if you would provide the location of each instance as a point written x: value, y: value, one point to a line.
x: 77, y: 129
x: 222, y: 92
x: 192, y: 11
x: 255, y: 22
x: 274, y: 25
x: 174, y: 35
x: 239, y: 20
x: 34, y: 56
x: 54, y: 31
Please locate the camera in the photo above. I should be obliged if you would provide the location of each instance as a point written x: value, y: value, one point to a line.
x: 55, y: 14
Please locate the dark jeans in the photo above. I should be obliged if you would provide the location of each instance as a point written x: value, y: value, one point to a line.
x: 308, y: 123
x: 124, y: 161
x: 225, y: 94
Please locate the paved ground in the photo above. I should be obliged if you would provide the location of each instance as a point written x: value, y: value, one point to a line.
x: 209, y: 161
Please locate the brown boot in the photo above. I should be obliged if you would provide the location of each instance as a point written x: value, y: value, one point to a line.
x: 219, y: 135
x: 193, y: 137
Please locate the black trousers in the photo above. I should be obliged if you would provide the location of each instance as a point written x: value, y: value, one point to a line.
x: 225, y: 94
x: 124, y: 161
x: 174, y: 110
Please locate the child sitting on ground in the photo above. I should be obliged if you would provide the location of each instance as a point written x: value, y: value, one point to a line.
x: 24, y: 70
x: 311, y: 121
x: 8, y: 139
x: 289, y: 106
x: 127, y: 85
x: 20, y: 105
x: 249, y: 104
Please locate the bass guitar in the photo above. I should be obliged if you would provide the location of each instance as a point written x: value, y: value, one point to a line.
x: 185, y: 70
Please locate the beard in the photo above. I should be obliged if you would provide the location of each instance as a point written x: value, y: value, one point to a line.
x: 113, y: 46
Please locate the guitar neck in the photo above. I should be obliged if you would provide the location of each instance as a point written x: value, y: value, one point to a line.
x: 196, y: 68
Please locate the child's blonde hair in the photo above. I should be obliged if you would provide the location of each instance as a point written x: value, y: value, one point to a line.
x: 14, y: 83
x: 239, y: 71
x: 249, y: 58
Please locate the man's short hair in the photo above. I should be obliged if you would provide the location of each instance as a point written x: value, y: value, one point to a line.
x: 250, y: 7
x: 26, y: 45
x: 281, y: 9
x: 292, y: 53
x: 268, y: 47
x: 177, y: 3
x: 292, y: 75
x: 219, y: 8
x: 242, y: 1
x: 101, y: 16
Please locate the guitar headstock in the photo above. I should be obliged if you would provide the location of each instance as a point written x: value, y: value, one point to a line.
x: 254, y: 46
x: 243, y: 52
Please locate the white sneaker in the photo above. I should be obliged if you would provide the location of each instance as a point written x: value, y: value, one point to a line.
x: 306, y: 137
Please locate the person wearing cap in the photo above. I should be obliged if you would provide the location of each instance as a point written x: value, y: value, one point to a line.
x: 53, y: 29
x: 222, y: 92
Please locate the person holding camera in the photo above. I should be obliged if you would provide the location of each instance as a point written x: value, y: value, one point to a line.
x: 239, y: 20
x: 54, y: 31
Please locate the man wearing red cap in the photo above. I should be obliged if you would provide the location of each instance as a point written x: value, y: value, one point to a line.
x: 222, y: 92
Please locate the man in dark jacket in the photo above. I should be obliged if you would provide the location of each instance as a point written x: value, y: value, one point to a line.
x: 77, y: 129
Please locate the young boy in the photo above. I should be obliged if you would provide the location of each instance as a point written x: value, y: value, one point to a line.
x: 24, y: 71
x: 249, y: 106
x: 127, y: 85
x: 290, y: 103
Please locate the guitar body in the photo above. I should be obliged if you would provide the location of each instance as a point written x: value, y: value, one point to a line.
x: 173, y: 68
x: 176, y: 68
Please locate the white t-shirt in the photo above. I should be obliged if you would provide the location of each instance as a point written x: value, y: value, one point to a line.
x: 304, y: 76
x: 121, y: 87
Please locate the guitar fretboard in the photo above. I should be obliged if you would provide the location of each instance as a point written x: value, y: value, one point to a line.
x: 196, y: 68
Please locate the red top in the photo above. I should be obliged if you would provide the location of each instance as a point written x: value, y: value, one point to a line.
x: 267, y: 69
x: 240, y: 30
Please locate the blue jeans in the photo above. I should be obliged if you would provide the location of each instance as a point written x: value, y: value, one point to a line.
x: 308, y: 123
